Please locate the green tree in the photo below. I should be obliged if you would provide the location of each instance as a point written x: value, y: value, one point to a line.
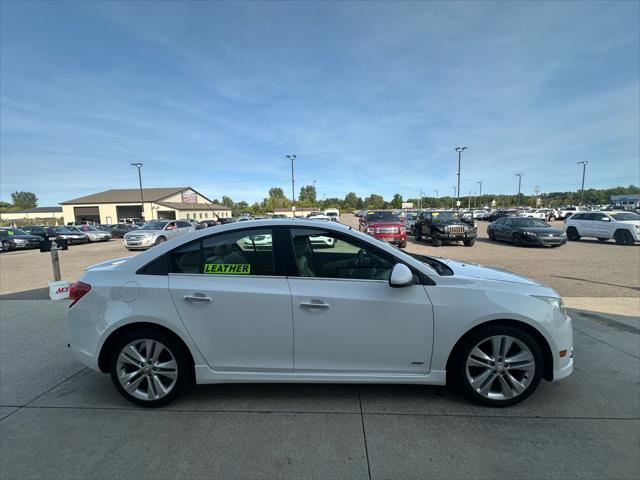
x: 227, y: 202
x: 24, y: 199
x: 276, y: 199
x: 307, y: 195
x: 351, y: 201
x: 374, y: 201
x: 397, y: 201
x: 5, y: 205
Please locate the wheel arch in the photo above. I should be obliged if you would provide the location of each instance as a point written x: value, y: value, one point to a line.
x: 547, y: 355
x: 107, y: 346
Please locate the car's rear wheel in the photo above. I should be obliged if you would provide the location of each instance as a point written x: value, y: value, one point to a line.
x: 436, y: 242
x: 492, y: 236
x: 469, y: 242
x: 402, y: 245
x: 149, y: 367
x: 572, y: 234
x: 498, y: 365
x: 160, y: 240
x: 623, y: 237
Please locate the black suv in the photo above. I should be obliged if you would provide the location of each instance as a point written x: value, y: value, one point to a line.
x: 445, y: 226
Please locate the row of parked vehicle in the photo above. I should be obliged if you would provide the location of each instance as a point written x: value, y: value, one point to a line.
x: 518, y: 227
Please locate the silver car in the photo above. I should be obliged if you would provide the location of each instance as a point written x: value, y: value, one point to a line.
x: 93, y: 234
x: 155, y: 233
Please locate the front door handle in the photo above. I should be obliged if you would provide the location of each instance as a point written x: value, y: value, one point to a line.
x: 314, y: 305
x: 196, y: 298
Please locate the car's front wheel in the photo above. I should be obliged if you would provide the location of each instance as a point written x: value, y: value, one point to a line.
x: 160, y: 240
x: 572, y: 234
x: 149, y: 367
x: 498, y: 365
x: 436, y: 242
x: 623, y: 237
x: 469, y: 242
x: 418, y: 234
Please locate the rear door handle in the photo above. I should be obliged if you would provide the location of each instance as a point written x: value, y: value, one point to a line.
x: 196, y: 298
x: 314, y: 305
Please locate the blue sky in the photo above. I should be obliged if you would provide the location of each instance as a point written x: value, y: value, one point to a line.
x: 371, y: 97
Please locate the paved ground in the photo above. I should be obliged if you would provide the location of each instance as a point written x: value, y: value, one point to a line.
x: 60, y: 420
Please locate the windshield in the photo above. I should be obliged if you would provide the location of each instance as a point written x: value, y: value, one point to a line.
x: 444, y: 216
x: 15, y: 231
x: 529, y: 222
x: 153, y: 226
x: 382, y: 217
x: 622, y: 216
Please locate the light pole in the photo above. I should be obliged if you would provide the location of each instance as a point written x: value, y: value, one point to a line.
x: 437, y: 199
x: 420, y: 202
x: 315, y: 192
x: 519, y: 175
x: 454, y: 196
x: 584, y: 169
x: 459, y: 150
x: 138, y: 165
x: 480, y: 194
x: 293, y: 188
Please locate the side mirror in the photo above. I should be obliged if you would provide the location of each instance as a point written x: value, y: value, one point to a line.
x: 401, y: 276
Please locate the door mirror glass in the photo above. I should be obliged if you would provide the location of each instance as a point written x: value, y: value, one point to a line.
x: 401, y: 276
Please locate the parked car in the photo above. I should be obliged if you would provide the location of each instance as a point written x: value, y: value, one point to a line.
x: 155, y: 233
x: 15, y: 238
x: 120, y: 229
x: 445, y: 226
x: 623, y: 227
x: 479, y: 214
x: 320, y: 216
x: 333, y: 214
x: 224, y: 221
x: 210, y: 308
x: 384, y: 225
x: 526, y: 231
x: 566, y: 212
x: 194, y: 223
x: 73, y: 237
x: 39, y: 230
x: 132, y: 220
x: 208, y: 223
x: 493, y: 216
x: 409, y: 221
x: 93, y: 234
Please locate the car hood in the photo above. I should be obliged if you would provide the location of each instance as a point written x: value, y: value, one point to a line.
x: 488, y: 273
x: 629, y: 222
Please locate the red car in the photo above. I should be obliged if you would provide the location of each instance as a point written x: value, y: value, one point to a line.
x: 384, y: 225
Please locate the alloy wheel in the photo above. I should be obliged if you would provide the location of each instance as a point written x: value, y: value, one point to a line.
x: 147, y: 369
x: 500, y: 367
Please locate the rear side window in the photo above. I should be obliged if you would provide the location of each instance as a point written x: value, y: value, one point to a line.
x: 249, y: 252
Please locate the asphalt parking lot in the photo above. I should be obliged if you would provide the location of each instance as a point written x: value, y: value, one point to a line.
x: 60, y: 420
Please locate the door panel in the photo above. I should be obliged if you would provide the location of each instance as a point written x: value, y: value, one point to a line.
x: 365, y: 326
x: 246, y: 325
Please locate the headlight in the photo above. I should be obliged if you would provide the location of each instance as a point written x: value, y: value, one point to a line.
x: 371, y: 230
x: 637, y: 226
x: 555, y: 302
x: 531, y: 234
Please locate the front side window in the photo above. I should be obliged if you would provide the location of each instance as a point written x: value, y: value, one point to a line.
x: 248, y: 252
x: 329, y: 255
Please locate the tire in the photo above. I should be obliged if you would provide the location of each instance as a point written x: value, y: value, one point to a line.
x: 572, y: 234
x: 418, y: 234
x: 160, y: 240
x: 436, y: 242
x: 403, y: 245
x: 517, y: 240
x: 623, y: 237
x: 469, y: 369
x: 492, y: 236
x: 6, y: 247
x: 175, y: 380
x: 469, y: 242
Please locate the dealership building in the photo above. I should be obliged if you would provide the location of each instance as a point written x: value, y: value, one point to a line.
x: 113, y: 205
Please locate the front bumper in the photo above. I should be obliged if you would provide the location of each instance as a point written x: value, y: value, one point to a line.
x: 455, y: 236
x: 138, y: 244
x: 543, y: 241
x: 24, y: 246
x: 393, y: 238
x: 75, y: 240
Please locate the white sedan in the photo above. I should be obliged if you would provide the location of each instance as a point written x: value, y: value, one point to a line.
x: 210, y: 307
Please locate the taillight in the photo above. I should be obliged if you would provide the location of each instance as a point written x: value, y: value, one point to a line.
x: 77, y: 291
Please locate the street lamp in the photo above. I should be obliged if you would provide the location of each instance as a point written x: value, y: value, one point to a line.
x: 437, y: 199
x: 454, y: 195
x: 459, y: 150
x: 138, y: 165
x: 480, y: 194
x: 519, y: 175
x: 584, y: 168
x: 293, y: 191
x: 420, y: 202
